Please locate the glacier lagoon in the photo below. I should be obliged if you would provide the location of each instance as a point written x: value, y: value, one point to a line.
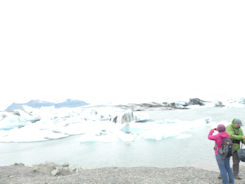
x: 91, y: 137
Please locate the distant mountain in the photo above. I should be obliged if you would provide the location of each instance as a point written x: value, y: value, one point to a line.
x: 70, y: 103
x: 38, y: 104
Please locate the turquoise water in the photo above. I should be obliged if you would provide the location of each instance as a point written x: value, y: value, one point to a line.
x: 195, y: 150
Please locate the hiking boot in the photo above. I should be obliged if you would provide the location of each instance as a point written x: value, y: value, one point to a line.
x: 237, y: 177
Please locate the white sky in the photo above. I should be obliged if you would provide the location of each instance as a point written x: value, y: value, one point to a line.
x: 120, y: 51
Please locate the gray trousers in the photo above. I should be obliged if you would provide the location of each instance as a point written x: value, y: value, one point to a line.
x: 236, y: 162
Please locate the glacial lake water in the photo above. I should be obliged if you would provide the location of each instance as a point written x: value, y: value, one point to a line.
x: 192, y: 148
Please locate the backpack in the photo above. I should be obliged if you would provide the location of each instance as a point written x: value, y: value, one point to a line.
x: 227, y: 149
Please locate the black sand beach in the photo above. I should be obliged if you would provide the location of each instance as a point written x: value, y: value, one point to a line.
x: 50, y: 173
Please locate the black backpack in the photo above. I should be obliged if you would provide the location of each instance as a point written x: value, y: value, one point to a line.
x: 227, y: 149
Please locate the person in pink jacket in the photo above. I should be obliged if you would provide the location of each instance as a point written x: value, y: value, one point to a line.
x: 224, y: 164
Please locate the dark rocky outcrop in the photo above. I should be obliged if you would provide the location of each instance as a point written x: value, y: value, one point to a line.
x: 164, y: 105
x: 219, y: 104
x: 196, y: 101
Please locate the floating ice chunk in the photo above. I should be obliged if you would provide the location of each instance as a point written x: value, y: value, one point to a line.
x: 126, y: 128
x: 10, y: 121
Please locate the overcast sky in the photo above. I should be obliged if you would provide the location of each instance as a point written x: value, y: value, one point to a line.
x: 127, y: 50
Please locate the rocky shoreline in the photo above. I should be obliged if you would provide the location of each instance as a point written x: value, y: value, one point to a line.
x: 50, y: 173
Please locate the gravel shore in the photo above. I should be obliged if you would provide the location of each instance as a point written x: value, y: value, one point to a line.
x: 50, y: 173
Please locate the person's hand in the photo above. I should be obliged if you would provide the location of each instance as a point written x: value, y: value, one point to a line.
x: 243, y: 137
